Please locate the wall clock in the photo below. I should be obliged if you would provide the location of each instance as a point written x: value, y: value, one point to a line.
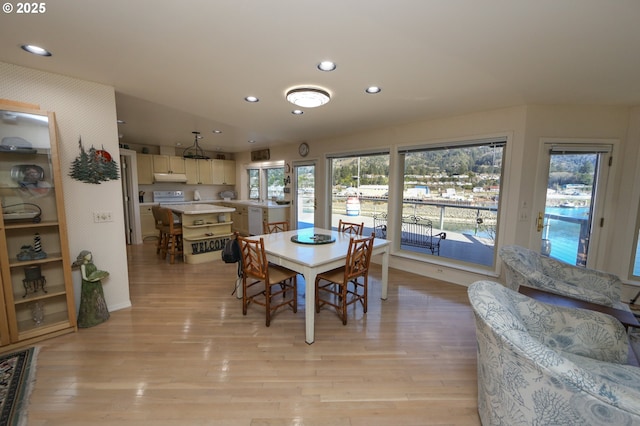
x: 303, y: 149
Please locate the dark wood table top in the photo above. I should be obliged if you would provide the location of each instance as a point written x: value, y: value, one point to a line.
x: 625, y: 317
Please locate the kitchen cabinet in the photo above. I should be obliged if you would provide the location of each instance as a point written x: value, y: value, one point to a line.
x: 145, y: 169
x: 224, y: 172
x: 280, y: 214
x: 147, y: 223
x: 36, y: 299
x: 198, y: 171
x: 240, y: 217
x: 249, y: 216
x: 168, y: 164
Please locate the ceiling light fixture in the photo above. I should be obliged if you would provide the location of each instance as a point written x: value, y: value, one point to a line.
x: 251, y: 99
x: 326, y: 66
x: 36, y: 50
x: 372, y: 90
x: 307, y: 97
x: 297, y: 112
x: 194, y: 151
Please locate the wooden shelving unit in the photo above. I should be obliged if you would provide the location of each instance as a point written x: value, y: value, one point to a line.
x: 32, y: 243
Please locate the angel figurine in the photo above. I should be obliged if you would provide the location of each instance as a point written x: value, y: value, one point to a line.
x: 93, y: 308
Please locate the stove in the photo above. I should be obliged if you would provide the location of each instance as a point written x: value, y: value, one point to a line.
x: 168, y: 197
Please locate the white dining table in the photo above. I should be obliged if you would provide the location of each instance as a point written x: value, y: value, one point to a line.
x: 313, y: 259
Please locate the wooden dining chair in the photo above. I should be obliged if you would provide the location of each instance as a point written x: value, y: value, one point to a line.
x: 173, y: 238
x: 276, y: 280
x: 162, y: 230
x: 332, y: 287
x: 272, y: 227
x: 350, y: 227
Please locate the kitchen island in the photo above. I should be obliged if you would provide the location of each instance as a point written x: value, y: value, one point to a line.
x: 205, y: 230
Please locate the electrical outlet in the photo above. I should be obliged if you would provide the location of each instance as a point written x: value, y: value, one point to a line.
x: 100, y: 217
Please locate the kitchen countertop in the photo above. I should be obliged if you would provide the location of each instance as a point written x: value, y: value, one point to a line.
x: 249, y: 203
x: 198, y: 208
x: 252, y: 203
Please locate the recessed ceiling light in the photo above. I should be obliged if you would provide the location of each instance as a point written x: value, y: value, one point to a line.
x: 297, y: 112
x: 36, y: 50
x: 178, y: 143
x: 373, y: 90
x: 251, y: 141
x: 251, y: 99
x: 121, y: 121
x: 326, y: 66
x: 217, y: 132
x: 307, y: 97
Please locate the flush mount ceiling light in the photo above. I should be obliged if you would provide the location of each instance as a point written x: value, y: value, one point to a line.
x: 307, y: 97
x: 36, y: 50
x: 372, y: 90
x: 326, y: 66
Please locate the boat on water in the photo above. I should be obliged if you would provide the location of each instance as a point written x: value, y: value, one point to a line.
x: 568, y: 205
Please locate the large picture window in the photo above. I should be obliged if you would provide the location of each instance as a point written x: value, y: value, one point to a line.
x: 450, y: 201
x: 360, y: 189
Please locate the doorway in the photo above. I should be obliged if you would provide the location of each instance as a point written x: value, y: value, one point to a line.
x: 571, y: 221
x: 130, y: 202
x: 305, y: 201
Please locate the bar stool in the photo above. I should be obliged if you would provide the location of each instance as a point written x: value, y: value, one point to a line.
x: 162, y: 230
x: 173, y: 238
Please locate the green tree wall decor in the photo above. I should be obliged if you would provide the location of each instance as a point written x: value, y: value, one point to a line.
x: 93, y: 166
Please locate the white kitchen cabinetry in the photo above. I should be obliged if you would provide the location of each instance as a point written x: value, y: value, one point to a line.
x: 198, y: 171
x: 147, y: 222
x: 224, y: 172
x: 145, y: 169
x: 168, y: 164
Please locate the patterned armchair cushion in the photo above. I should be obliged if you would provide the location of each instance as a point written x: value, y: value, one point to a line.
x: 531, y: 269
x: 548, y: 365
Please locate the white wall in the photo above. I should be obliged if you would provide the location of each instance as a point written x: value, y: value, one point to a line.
x: 83, y: 109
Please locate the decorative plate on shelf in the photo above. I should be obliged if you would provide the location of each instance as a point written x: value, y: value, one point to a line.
x: 27, y: 173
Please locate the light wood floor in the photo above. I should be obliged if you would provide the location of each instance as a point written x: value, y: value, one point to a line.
x: 185, y: 355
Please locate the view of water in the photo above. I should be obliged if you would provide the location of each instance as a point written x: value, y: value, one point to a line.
x: 564, y: 235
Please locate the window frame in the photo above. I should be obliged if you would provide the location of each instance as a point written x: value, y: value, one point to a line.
x: 463, y: 261
x: 263, y: 170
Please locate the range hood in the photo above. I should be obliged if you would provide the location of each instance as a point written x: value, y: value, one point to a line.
x: 170, y: 177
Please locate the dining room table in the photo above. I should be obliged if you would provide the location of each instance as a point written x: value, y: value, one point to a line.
x: 311, y: 251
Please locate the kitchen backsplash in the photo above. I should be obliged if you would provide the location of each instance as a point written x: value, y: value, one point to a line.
x: 207, y: 192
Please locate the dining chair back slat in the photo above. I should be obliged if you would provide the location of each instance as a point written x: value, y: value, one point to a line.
x: 273, y: 227
x: 350, y: 227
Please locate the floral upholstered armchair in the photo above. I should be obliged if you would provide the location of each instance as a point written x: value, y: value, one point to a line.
x: 540, y: 364
x: 529, y: 268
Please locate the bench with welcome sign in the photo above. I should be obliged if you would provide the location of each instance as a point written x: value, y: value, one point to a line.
x: 416, y: 231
